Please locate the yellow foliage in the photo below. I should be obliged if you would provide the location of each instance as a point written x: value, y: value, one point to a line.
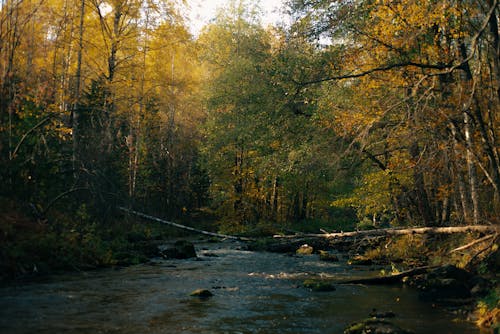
x: 488, y: 318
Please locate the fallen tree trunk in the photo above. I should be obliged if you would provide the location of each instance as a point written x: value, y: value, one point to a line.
x: 184, y: 227
x: 391, y: 279
x: 399, y: 231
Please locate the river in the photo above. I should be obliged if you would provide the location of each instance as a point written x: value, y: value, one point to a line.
x: 254, y: 292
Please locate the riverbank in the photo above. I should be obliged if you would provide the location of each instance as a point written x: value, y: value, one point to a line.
x: 428, y: 264
x: 31, y: 247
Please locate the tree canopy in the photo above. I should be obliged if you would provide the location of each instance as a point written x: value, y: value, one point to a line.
x: 362, y: 112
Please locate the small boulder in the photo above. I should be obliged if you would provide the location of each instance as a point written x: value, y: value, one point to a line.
x: 305, y: 250
x: 201, y: 293
x: 182, y: 249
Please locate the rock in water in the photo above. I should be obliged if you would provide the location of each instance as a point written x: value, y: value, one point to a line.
x: 182, y: 250
x: 201, y: 293
x: 375, y: 326
x: 305, y: 250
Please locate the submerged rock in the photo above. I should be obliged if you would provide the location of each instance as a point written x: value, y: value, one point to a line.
x: 182, y: 249
x: 375, y: 326
x: 201, y: 293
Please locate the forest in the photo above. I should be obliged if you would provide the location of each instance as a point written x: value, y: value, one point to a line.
x: 356, y: 114
x: 372, y: 112
x: 350, y: 115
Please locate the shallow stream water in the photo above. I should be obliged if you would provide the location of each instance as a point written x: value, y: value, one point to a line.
x: 254, y: 292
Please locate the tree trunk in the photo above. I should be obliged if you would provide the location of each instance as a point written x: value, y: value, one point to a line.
x: 464, y: 198
x: 422, y: 198
x: 493, y: 23
x: 400, y: 231
x: 476, y: 111
x: 76, y: 101
x: 471, y: 168
x: 274, y: 199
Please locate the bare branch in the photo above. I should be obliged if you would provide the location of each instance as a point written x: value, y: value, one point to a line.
x: 445, y: 68
x: 23, y: 138
x: 475, y: 242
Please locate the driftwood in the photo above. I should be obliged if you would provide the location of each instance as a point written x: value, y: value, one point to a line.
x: 399, y: 231
x: 391, y: 279
x: 184, y: 227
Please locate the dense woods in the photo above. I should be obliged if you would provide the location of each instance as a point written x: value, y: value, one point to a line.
x: 352, y: 114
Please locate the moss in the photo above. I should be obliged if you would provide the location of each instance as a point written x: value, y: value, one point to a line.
x: 304, y: 250
x: 318, y: 285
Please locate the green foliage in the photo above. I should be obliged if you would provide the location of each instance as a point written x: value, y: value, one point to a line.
x: 28, y: 247
x: 264, y: 153
x: 488, y: 310
x: 411, y: 251
x: 492, y: 300
x: 374, y: 198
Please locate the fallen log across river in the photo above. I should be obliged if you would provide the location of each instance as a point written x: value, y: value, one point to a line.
x: 183, y: 227
x: 491, y: 229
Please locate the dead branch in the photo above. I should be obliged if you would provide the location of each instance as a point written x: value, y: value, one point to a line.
x: 58, y: 197
x: 188, y: 228
x: 25, y: 135
x: 481, y: 251
x: 475, y: 242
